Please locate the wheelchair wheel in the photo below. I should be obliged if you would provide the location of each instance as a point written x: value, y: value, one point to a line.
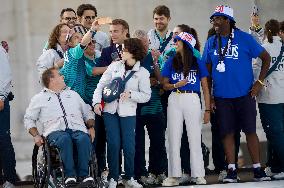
x: 56, y: 171
x: 93, y: 170
x: 40, y: 166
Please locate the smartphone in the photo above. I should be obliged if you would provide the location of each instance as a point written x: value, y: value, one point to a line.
x: 104, y: 20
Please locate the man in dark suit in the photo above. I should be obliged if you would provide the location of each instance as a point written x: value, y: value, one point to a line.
x: 119, y: 31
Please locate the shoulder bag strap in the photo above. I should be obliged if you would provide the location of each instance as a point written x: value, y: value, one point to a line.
x: 274, y: 66
x: 59, y: 53
x: 128, y: 76
x: 165, y: 43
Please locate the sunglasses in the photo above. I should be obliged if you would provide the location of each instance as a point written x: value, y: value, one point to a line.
x: 92, y: 42
x: 70, y: 18
x: 90, y: 17
x: 216, y: 19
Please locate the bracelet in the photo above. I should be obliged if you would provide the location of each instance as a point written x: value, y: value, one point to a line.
x: 260, y: 82
x: 175, y: 86
x: 156, y: 63
x: 207, y: 110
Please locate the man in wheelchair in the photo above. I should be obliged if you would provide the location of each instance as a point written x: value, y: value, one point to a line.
x: 63, y: 114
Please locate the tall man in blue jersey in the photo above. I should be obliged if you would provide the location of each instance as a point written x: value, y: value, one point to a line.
x: 229, y: 55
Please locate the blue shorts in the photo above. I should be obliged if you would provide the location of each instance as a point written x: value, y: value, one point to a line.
x: 236, y: 114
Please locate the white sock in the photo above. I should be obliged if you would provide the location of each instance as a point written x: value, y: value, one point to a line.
x: 256, y: 165
x: 233, y: 166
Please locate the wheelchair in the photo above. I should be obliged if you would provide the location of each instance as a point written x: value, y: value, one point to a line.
x: 47, y: 168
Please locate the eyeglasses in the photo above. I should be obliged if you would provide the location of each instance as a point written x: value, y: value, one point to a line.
x: 216, y: 19
x: 70, y: 18
x: 90, y: 17
x: 92, y: 42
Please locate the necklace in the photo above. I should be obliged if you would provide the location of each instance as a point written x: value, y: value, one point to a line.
x: 221, y: 65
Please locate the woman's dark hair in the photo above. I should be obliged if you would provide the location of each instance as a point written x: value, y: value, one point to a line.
x: 282, y: 26
x: 54, y: 35
x: 185, y: 63
x: 135, y: 47
x: 211, y: 32
x: 272, y: 28
x: 190, y: 30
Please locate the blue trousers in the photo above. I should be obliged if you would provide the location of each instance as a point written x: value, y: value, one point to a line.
x: 272, y: 119
x: 66, y: 141
x: 156, y: 127
x: 7, y: 154
x: 120, y: 131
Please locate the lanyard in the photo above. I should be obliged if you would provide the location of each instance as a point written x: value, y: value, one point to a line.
x: 160, y: 38
x: 163, y: 42
x: 228, y: 45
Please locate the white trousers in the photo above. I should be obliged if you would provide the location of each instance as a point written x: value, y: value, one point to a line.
x: 184, y: 107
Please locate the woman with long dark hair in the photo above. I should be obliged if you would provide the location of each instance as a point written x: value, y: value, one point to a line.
x: 182, y: 75
x: 270, y: 104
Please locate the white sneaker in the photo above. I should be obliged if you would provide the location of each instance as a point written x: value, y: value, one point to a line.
x: 184, y: 179
x: 160, y: 178
x: 70, y: 180
x: 112, y: 183
x: 199, y: 181
x: 150, y: 180
x: 279, y: 176
x: 120, y: 180
x: 8, y: 185
x: 88, y: 179
x: 268, y: 172
x: 222, y: 175
x: 132, y: 184
x: 104, y: 181
x: 171, y: 181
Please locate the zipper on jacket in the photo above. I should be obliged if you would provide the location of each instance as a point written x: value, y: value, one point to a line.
x: 63, y: 110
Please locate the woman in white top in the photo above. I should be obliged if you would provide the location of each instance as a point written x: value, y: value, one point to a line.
x: 53, y: 56
x: 271, y: 100
x: 120, y: 115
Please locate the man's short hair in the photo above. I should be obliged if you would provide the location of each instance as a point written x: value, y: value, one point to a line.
x: 46, y: 75
x: 66, y: 10
x: 162, y: 10
x: 123, y: 23
x: 81, y: 8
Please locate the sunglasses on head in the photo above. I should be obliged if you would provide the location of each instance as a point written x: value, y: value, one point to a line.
x: 70, y: 18
x: 90, y: 17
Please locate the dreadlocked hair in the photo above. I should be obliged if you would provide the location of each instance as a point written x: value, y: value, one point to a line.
x: 232, y: 26
x: 185, y: 63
